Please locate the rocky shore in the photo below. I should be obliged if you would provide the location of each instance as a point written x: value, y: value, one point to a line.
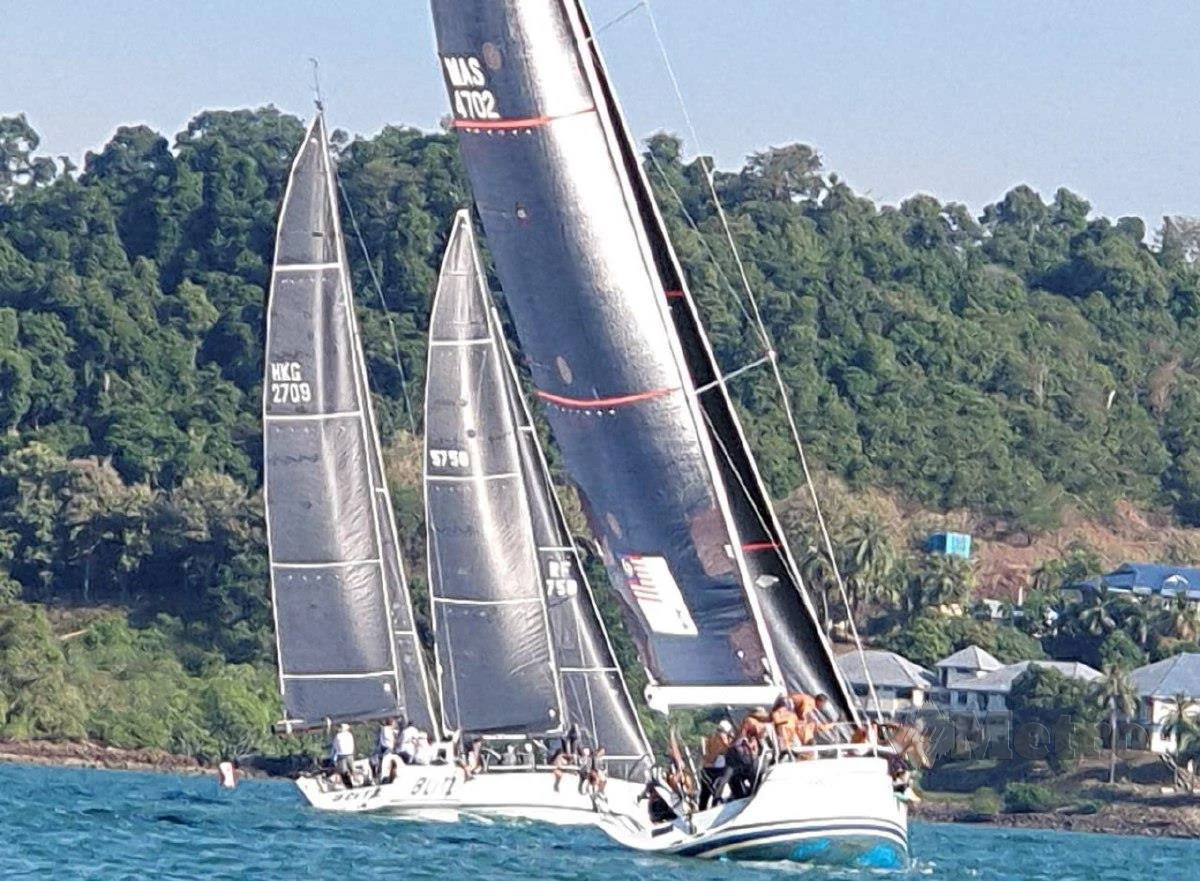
x: 1163, y: 817
x: 87, y: 754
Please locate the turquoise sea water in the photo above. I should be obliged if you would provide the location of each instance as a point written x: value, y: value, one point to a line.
x: 82, y: 824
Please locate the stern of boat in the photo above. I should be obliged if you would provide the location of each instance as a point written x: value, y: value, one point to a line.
x: 839, y: 811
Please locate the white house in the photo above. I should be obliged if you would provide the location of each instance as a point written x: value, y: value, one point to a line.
x: 969, y: 663
x: 983, y: 700
x: 900, y: 685
x: 1160, y: 687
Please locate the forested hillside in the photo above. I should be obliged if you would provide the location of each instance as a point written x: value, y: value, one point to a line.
x: 1014, y: 363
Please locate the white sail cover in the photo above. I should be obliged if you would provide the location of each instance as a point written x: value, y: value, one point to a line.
x: 346, y: 642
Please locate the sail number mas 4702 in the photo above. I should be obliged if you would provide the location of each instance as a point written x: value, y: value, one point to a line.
x: 288, y: 385
x: 468, y: 88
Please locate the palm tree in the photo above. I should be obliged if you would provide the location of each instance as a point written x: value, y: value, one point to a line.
x: 1184, y: 618
x: 816, y: 569
x: 1116, y: 694
x: 1181, y: 726
x: 1096, y: 612
x: 947, y: 581
x: 867, y: 559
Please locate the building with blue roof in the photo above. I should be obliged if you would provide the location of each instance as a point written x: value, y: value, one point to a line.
x: 1149, y: 579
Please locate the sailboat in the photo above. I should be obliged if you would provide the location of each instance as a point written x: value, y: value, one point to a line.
x: 521, y: 651
x: 642, y: 415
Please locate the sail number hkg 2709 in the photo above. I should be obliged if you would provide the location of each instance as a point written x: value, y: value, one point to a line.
x: 468, y: 94
x: 288, y: 385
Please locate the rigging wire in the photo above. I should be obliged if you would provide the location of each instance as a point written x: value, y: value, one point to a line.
x: 388, y: 314
x: 319, y: 101
x: 764, y: 337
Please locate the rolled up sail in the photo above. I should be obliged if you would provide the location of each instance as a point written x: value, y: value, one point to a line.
x: 620, y: 362
x: 347, y: 647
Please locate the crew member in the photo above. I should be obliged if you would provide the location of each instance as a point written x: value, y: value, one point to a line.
x: 808, y: 709
x: 713, y: 763
x: 408, y: 743
x: 341, y: 754
x: 785, y: 724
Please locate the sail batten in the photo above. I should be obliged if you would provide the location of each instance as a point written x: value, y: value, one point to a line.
x: 345, y: 636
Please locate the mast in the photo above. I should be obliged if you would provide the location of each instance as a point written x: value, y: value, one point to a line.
x: 603, y: 313
x: 345, y: 637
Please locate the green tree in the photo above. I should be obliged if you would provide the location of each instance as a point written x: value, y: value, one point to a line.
x: 1116, y: 694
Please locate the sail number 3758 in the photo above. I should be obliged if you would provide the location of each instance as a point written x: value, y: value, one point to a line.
x: 449, y: 458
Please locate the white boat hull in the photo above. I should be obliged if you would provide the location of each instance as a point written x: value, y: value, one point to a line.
x: 439, y: 792
x: 831, y: 811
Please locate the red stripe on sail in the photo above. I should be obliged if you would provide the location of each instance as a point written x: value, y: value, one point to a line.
x: 527, y: 122
x: 674, y: 295
x: 760, y: 546
x: 515, y: 123
x: 620, y: 400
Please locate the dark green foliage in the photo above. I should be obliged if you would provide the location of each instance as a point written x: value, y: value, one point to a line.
x: 1054, y: 718
x: 928, y: 639
x: 1014, y: 363
x: 1028, y: 798
x: 984, y: 803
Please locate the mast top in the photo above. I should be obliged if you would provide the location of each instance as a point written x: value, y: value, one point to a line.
x: 318, y: 98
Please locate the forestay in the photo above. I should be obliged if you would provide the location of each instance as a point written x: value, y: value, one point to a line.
x: 343, y: 621
x: 618, y: 357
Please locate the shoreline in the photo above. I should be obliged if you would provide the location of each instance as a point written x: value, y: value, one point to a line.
x: 1130, y: 817
x: 89, y: 754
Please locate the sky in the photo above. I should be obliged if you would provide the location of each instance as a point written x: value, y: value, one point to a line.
x: 961, y: 100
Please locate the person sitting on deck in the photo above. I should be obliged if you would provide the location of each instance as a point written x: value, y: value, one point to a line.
x: 713, y: 764
x: 597, y: 772
x: 659, y: 808
x: 566, y: 754
x: 472, y: 761
x: 425, y: 752
x: 341, y: 754
x: 409, y: 735
x: 786, y: 725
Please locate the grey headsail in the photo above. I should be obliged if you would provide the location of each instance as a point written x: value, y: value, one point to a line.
x: 492, y: 634
x: 623, y: 368
x: 594, y: 691
x: 343, y: 619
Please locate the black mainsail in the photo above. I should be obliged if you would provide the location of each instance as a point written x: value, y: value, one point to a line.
x: 635, y: 399
x: 521, y: 648
x: 347, y: 647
